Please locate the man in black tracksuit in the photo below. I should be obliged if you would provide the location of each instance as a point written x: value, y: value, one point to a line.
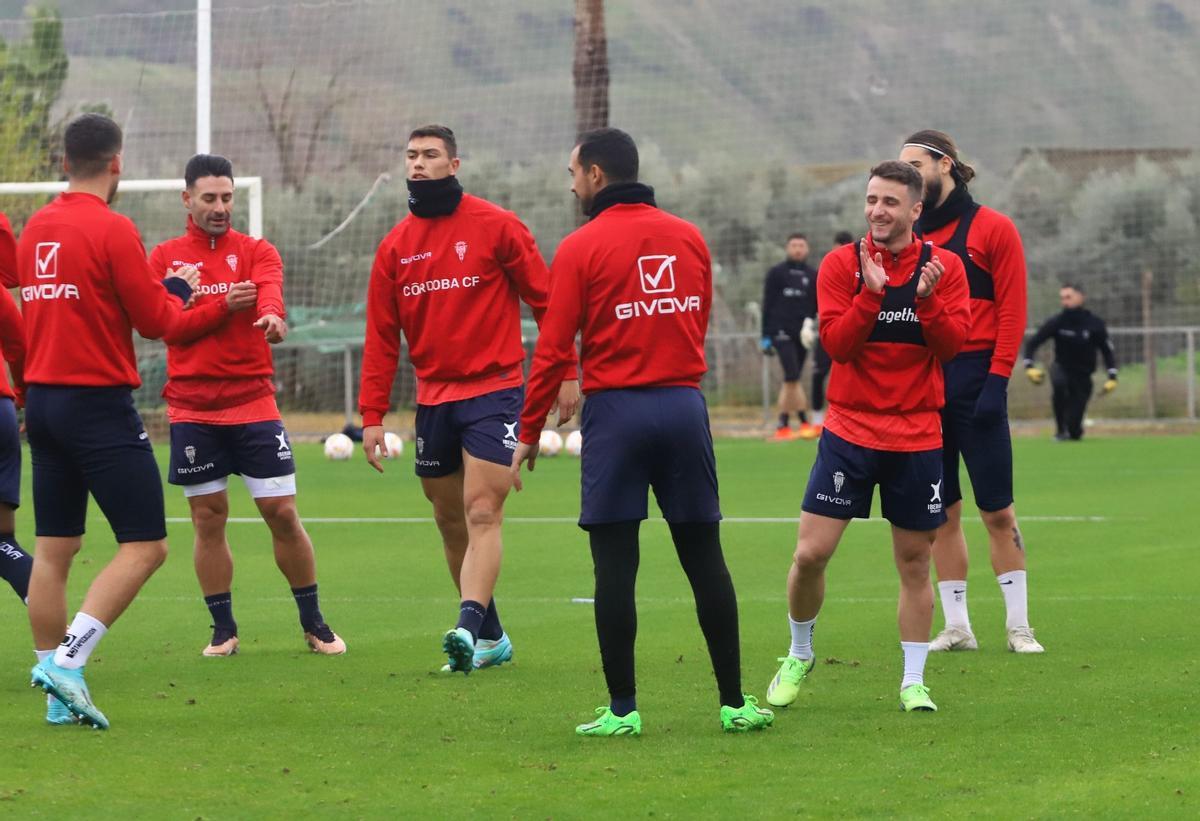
x: 1078, y: 334
x: 788, y: 319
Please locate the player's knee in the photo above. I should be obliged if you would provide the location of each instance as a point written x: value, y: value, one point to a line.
x: 280, y: 514
x: 484, y: 513
x: 810, y: 556
x: 209, y: 517
x: 1000, y: 521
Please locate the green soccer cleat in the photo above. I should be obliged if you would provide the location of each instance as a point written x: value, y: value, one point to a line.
x: 785, y: 687
x: 488, y: 653
x: 747, y: 717
x: 606, y: 723
x: 68, y: 687
x: 915, y: 697
x: 460, y: 648
x: 57, y: 712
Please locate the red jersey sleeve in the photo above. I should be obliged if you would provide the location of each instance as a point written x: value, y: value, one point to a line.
x: 266, y: 272
x: 847, y: 318
x: 381, y: 348
x: 1009, y: 280
x: 8, y: 255
x: 554, y: 354
x: 151, y: 309
x: 12, y: 338
x: 946, y: 313
x: 193, y: 323
x: 523, y: 262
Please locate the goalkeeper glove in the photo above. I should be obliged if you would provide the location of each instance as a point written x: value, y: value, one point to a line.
x: 1036, y: 375
x: 1110, y: 384
x: 767, y: 348
x: 808, y: 333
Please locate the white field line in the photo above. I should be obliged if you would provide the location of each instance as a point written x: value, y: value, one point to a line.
x: 653, y: 600
x: 564, y: 520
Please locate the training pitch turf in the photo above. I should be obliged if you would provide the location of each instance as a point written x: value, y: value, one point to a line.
x: 1104, y: 724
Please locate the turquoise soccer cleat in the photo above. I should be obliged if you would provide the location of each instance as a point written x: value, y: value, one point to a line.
x: 460, y: 648
x: 69, y: 687
x: 488, y: 653
x: 57, y: 712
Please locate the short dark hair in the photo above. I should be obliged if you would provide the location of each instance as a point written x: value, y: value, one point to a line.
x: 941, y: 144
x: 843, y: 238
x: 207, y: 165
x: 900, y: 172
x: 90, y: 141
x: 1074, y: 286
x: 796, y: 235
x: 613, y: 150
x: 442, y: 133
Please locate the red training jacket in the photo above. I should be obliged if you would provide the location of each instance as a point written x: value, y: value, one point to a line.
x: 637, y: 282
x: 994, y: 245
x: 86, y: 286
x: 8, y: 254
x: 12, y: 325
x: 220, y: 360
x: 885, y: 387
x: 451, y: 284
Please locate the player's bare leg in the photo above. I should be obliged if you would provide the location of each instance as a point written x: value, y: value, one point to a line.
x: 914, y: 613
x: 1008, y: 561
x: 214, y: 568
x: 485, y: 487
x: 446, y: 495
x: 52, y: 559
x: 816, y: 541
x: 295, y: 558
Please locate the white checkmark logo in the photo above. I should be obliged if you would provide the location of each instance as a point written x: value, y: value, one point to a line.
x: 654, y: 282
x: 47, y: 260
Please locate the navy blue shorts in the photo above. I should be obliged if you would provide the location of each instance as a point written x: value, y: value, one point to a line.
x: 205, y: 454
x: 639, y: 439
x: 484, y: 426
x: 843, y: 479
x: 91, y: 440
x: 791, y: 354
x: 10, y: 455
x: 986, y: 448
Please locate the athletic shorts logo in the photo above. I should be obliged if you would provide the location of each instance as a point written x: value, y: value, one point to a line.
x: 935, y: 501
x: 510, y: 435
x: 190, y: 453
x: 656, y: 273
x: 285, y: 450
x: 232, y: 262
x: 839, y: 479
x: 47, y: 260
x: 420, y: 446
x: 460, y: 248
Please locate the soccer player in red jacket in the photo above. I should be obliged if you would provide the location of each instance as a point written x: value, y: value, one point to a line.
x: 975, y: 418
x: 892, y: 310
x: 637, y: 282
x: 15, y: 563
x: 221, y: 403
x: 86, y: 286
x: 449, y: 277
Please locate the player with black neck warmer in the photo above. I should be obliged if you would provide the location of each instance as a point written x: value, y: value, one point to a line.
x: 975, y: 418
x: 450, y: 277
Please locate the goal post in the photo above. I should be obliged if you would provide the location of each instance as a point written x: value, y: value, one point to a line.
x: 252, y: 186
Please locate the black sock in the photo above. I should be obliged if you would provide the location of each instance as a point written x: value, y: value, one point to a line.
x: 15, y: 565
x: 220, y: 606
x: 309, y: 606
x: 783, y: 420
x: 802, y: 416
x: 470, y: 617
x: 490, y: 629
x: 615, y: 558
x: 698, y: 545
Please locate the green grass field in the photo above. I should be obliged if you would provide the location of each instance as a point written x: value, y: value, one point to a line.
x: 1104, y: 724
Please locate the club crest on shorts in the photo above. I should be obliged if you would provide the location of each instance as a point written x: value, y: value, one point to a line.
x: 232, y: 261
x: 460, y: 248
x: 190, y: 453
x: 420, y: 446
x: 839, y: 479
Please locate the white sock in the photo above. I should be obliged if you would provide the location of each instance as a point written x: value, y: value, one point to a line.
x: 42, y: 655
x: 802, y: 633
x: 1016, y: 600
x: 82, y: 637
x: 954, y: 604
x: 915, y: 653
